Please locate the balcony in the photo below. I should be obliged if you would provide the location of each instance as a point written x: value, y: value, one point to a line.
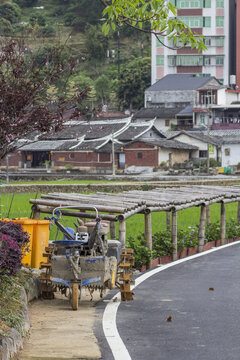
x: 226, y: 123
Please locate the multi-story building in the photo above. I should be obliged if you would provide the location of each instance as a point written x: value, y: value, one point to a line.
x: 219, y: 22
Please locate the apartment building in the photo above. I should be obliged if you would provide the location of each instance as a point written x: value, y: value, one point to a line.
x: 219, y: 22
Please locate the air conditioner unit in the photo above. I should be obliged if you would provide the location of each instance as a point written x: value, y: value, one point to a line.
x: 232, y: 79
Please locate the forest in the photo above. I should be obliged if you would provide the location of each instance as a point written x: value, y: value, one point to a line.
x: 116, y: 68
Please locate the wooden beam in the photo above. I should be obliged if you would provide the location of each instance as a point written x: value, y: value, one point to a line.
x: 35, y: 212
x: 168, y: 221
x: 122, y: 233
x: 238, y: 213
x: 201, y: 233
x: 208, y: 214
x: 174, y: 235
x: 148, y: 235
x: 223, y: 223
x: 112, y: 230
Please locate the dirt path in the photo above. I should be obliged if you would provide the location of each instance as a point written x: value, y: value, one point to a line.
x: 58, y: 332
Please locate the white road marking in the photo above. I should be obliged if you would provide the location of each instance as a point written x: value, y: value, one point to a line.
x: 111, y: 333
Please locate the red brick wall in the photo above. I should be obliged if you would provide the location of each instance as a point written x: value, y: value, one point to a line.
x: 13, y: 160
x: 81, y: 159
x: 148, y: 152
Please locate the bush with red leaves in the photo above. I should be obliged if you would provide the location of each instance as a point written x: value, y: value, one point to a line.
x: 14, y: 243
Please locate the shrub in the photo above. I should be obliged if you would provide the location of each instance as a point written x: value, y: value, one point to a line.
x: 13, y: 246
x: 5, y: 27
x: 141, y: 253
x: 47, y: 31
x: 10, y: 12
x: 37, y: 19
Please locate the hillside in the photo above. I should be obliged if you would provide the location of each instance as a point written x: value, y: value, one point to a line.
x: 104, y: 62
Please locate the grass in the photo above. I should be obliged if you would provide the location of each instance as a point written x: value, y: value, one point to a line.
x: 66, y: 182
x: 20, y: 207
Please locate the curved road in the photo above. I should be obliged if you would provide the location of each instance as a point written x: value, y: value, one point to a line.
x: 201, y: 299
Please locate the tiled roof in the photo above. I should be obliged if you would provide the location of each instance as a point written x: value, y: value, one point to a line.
x: 188, y: 110
x: 160, y: 113
x: 169, y: 144
x: 91, y: 130
x: 136, y: 130
x: 180, y: 82
x: 200, y: 135
x: 49, y: 145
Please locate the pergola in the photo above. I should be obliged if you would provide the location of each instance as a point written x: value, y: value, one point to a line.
x: 121, y: 206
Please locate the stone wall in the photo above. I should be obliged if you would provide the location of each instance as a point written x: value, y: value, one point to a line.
x: 114, y: 187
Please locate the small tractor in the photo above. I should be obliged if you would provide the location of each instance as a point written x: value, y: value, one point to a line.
x: 83, y: 258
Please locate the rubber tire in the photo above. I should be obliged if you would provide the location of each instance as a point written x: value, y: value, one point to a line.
x: 75, y: 295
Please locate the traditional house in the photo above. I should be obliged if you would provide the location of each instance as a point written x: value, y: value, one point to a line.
x: 202, y: 140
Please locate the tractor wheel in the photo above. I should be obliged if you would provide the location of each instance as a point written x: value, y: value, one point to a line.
x: 75, y: 295
x: 113, y: 278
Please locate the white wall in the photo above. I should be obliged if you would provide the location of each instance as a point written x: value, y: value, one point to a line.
x: 234, y: 157
x: 200, y: 144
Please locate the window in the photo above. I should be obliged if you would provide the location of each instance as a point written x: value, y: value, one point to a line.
x: 221, y: 81
x: 227, y: 151
x: 171, y: 60
x: 219, y: 21
x: 139, y: 155
x: 202, y: 153
x: 202, y: 119
x: 167, y: 122
x: 184, y: 4
x: 219, y: 60
x: 207, y: 41
x: 219, y: 3
x: 207, y: 21
x: 71, y: 155
x: 206, y: 3
x: 160, y: 44
x: 207, y: 60
x: 160, y: 60
x: 208, y: 97
x: 196, y: 21
x: 220, y: 41
x: 189, y: 60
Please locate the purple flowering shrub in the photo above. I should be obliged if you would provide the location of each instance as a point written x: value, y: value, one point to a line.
x: 13, y: 246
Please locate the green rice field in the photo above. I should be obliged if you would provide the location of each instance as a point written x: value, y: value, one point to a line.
x: 17, y: 205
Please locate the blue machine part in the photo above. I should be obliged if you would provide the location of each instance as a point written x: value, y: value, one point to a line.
x: 70, y: 231
x: 67, y: 242
x: 93, y: 260
x: 61, y: 281
x: 90, y: 281
x: 86, y: 282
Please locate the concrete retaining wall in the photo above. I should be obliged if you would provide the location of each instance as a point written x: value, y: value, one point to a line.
x: 11, y: 344
x: 114, y: 187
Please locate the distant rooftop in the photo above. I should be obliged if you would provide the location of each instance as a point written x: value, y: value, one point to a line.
x: 180, y: 82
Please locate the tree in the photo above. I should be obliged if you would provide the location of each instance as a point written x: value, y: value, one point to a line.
x: 102, y: 87
x: 96, y: 43
x: 10, y: 12
x: 135, y: 78
x: 157, y: 17
x: 25, y: 104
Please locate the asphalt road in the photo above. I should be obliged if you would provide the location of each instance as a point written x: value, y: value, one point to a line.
x: 201, y: 297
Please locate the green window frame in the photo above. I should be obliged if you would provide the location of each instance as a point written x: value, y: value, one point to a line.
x: 219, y: 21
x: 202, y: 119
x: 220, y: 4
x: 220, y: 60
x: 207, y: 4
x: 159, y: 44
x: 189, y: 60
x: 207, y: 60
x: 207, y: 21
x: 207, y: 40
x: 159, y: 60
x: 220, y: 41
x: 185, y: 4
x: 192, y: 21
x: 171, y: 60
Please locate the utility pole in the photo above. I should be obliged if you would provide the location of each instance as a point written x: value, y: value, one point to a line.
x: 113, y: 156
x: 118, y: 46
